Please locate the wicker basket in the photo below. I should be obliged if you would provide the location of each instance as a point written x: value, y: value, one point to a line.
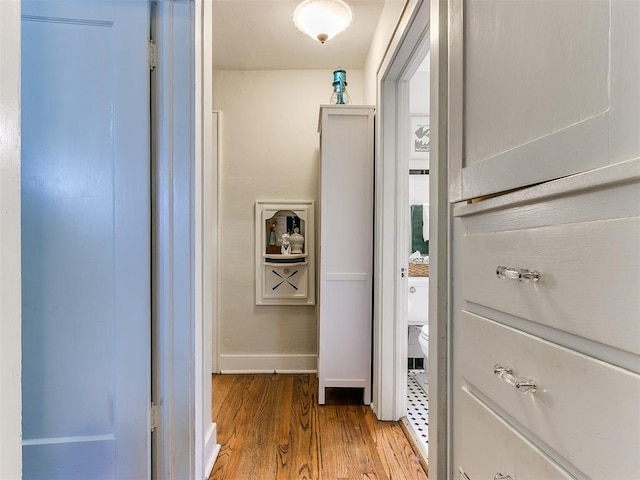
x: 418, y: 269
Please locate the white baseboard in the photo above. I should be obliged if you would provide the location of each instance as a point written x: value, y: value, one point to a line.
x: 211, y: 449
x: 268, y: 363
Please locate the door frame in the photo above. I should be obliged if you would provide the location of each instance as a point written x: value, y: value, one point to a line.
x: 184, y: 444
x: 421, y: 18
x: 10, y: 248
x: 205, y: 222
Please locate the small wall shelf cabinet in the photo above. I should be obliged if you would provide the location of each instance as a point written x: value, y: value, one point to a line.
x: 285, y: 274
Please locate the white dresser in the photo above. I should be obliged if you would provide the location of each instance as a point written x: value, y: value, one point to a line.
x: 545, y: 265
x: 345, y: 250
x: 548, y: 282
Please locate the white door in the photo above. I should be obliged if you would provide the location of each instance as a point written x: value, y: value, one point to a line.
x: 85, y: 239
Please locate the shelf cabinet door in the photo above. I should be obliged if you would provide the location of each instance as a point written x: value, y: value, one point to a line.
x: 285, y: 281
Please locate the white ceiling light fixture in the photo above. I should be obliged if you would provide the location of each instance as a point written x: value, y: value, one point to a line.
x: 322, y: 19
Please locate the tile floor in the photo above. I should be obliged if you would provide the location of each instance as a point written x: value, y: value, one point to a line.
x: 418, y: 405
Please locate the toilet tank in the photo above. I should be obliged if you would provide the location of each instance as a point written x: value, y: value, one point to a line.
x: 418, y: 301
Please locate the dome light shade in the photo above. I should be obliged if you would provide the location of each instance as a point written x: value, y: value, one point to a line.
x: 322, y: 19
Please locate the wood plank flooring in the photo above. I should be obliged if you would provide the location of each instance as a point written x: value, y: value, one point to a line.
x: 271, y: 427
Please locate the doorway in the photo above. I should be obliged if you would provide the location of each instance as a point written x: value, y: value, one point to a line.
x: 390, y: 320
x: 417, y: 253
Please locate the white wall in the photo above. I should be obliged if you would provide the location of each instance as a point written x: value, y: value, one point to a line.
x: 418, y: 189
x: 384, y: 31
x: 269, y: 151
x: 10, y: 299
x: 419, y: 89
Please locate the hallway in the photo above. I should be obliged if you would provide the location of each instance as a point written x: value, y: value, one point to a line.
x: 271, y: 427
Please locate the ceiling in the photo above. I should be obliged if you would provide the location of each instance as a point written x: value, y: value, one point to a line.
x: 260, y: 35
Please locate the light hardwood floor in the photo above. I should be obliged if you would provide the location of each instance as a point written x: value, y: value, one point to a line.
x: 271, y: 427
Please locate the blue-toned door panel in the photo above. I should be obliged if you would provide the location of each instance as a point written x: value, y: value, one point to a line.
x: 85, y: 239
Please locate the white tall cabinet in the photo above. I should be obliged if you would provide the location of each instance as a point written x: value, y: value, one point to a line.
x: 345, y: 250
x: 545, y: 328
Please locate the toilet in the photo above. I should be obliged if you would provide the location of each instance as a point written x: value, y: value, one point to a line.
x: 418, y: 317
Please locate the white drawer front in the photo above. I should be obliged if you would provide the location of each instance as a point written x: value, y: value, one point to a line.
x: 486, y: 446
x: 589, y: 277
x: 586, y: 410
x: 285, y: 281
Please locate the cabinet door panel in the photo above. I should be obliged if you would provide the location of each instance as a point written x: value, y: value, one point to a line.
x: 538, y: 90
x: 283, y: 281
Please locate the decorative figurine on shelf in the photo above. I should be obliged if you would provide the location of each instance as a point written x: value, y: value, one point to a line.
x: 286, y: 245
x: 272, y: 234
x: 297, y: 241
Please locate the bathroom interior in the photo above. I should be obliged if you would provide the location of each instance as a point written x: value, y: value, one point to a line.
x: 417, y: 418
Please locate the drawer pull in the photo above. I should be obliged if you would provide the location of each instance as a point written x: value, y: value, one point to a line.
x: 523, y: 385
x: 500, y: 476
x: 521, y: 274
